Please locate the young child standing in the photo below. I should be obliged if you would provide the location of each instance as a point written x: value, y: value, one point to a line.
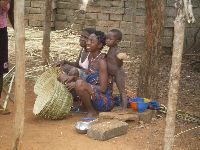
x: 114, y: 59
x: 4, y: 8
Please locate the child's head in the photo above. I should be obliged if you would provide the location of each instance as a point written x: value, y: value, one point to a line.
x: 96, y: 41
x: 84, y: 36
x: 113, y: 37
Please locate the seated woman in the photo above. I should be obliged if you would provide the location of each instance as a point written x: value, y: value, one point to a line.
x: 95, y: 91
x: 82, y: 60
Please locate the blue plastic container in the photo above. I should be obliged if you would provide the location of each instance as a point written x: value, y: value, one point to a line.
x: 138, y: 104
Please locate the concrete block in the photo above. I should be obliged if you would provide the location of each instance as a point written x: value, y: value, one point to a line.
x: 139, y: 38
x: 114, y: 24
x: 27, y: 3
x: 126, y: 37
x: 39, y: 17
x: 113, y: 10
x: 102, y: 16
x: 140, y: 19
x: 119, y: 116
x: 115, y: 17
x: 170, y: 3
x: 60, y: 17
x: 168, y: 32
x: 169, y: 21
x: 107, y: 130
x: 35, y: 23
x: 167, y: 41
x: 139, y: 31
x: 126, y: 27
x: 91, y: 15
x: 113, y: 3
x: 140, y: 4
x: 139, y: 45
x: 27, y: 10
x: 127, y: 18
x: 39, y: 4
x: 91, y: 9
x: 170, y: 11
x: 35, y: 11
x: 59, y: 25
x: 140, y: 12
x: 90, y: 22
x: 67, y: 5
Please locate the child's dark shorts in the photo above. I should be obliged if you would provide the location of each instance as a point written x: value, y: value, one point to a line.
x: 3, y: 51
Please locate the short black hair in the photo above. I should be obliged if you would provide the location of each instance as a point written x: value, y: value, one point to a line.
x: 101, y: 37
x: 118, y: 33
x: 89, y: 30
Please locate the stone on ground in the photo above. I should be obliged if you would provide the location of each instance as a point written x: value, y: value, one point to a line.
x: 108, y: 129
x: 146, y: 116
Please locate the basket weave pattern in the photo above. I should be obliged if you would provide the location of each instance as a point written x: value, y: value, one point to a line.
x: 53, y: 100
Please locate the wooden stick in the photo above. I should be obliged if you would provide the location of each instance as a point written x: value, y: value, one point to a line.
x: 47, y: 30
x: 8, y: 94
x: 19, y: 74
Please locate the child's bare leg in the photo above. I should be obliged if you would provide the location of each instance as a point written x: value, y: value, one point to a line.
x: 120, y: 82
x: 83, y: 89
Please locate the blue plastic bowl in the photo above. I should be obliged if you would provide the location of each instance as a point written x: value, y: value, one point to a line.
x: 138, y: 104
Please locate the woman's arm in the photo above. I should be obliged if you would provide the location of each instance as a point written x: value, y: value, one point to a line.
x: 103, y: 75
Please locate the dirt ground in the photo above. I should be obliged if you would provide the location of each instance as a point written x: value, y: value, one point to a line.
x: 40, y: 134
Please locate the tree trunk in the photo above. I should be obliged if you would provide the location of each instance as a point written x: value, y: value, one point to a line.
x: 184, y: 11
x: 19, y: 73
x: 179, y: 28
x: 47, y: 31
x: 149, y: 69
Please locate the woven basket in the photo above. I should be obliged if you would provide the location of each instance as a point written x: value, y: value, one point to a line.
x: 53, y: 100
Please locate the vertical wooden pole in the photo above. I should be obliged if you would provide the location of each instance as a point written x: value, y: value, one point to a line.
x: 179, y: 29
x: 19, y: 73
x: 47, y: 31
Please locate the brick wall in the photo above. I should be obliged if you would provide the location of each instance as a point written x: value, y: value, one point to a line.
x: 126, y: 15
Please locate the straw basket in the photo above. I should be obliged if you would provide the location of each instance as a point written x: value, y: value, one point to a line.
x: 53, y: 100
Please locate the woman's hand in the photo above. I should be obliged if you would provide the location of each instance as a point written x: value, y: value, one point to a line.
x: 58, y: 63
x: 70, y: 85
x: 64, y: 78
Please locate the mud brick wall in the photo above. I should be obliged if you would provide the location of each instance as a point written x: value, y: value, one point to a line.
x: 126, y: 15
x: 190, y: 31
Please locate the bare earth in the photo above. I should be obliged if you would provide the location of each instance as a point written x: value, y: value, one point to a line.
x: 42, y: 134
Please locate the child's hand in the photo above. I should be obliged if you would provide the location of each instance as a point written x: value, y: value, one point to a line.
x: 62, y: 78
x: 122, y: 56
x: 70, y: 85
x: 70, y: 79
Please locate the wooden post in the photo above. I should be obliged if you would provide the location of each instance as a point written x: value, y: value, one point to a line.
x: 179, y: 30
x: 47, y: 31
x: 19, y: 73
x: 149, y: 68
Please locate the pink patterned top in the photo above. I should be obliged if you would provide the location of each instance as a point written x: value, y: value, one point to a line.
x: 3, y: 16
